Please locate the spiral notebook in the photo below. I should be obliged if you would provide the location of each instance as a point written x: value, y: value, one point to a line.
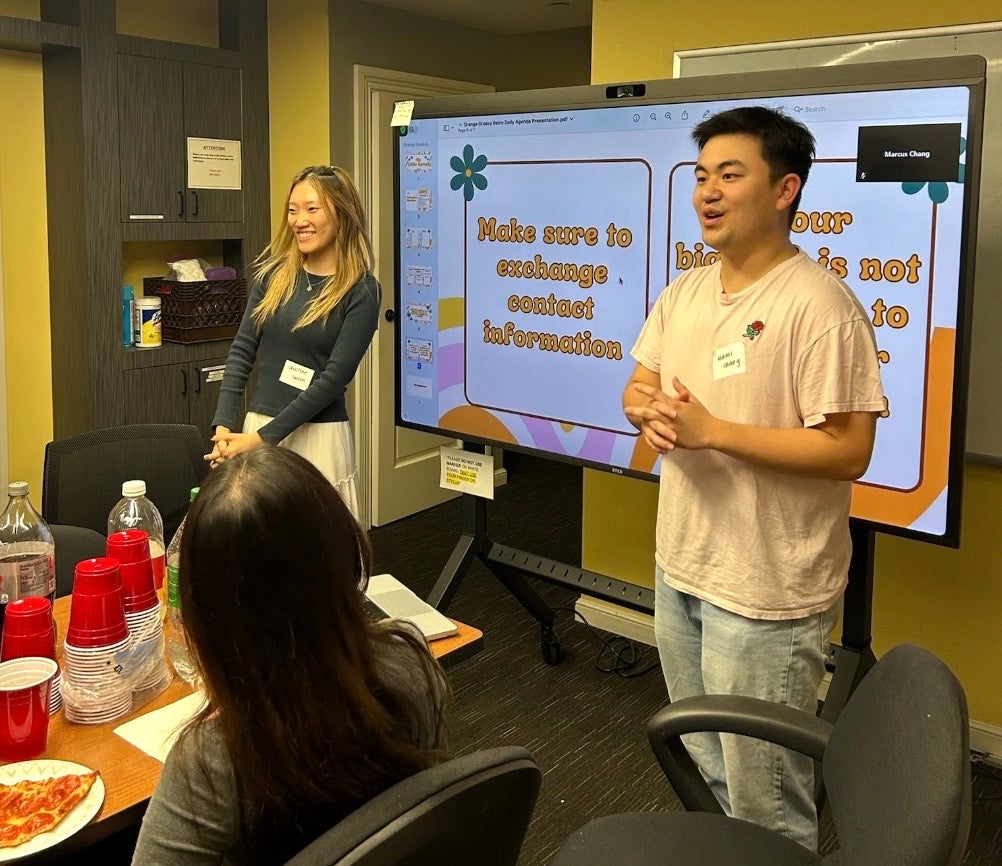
x: 388, y: 597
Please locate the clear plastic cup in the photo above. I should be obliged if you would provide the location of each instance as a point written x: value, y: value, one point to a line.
x: 24, y: 707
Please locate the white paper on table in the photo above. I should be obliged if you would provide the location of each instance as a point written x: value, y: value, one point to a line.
x: 157, y: 731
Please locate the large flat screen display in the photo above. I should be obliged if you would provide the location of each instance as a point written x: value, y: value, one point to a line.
x: 536, y: 230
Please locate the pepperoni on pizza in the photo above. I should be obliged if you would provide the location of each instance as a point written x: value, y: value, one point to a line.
x: 33, y: 806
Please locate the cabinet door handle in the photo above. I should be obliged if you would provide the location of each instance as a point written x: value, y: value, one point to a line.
x: 180, y: 203
x: 184, y: 382
x: 198, y: 381
x: 194, y: 194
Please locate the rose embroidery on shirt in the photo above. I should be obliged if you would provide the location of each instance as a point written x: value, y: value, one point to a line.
x: 754, y: 329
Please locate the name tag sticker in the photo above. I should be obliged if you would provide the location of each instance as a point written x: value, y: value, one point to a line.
x: 296, y: 375
x: 729, y: 360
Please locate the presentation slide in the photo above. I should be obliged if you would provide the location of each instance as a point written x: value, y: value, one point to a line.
x: 533, y: 245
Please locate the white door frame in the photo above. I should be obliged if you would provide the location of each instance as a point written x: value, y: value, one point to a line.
x: 368, y: 80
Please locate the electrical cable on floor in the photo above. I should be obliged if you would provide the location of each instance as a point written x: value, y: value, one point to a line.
x: 626, y: 655
x: 982, y: 766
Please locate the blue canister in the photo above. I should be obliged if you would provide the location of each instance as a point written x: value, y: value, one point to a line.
x: 128, y: 294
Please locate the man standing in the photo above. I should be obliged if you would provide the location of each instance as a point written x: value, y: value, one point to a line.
x: 757, y: 380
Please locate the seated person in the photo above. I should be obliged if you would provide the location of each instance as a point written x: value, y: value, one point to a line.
x: 312, y: 709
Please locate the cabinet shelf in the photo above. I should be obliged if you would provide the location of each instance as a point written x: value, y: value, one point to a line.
x: 183, y: 52
x: 27, y: 34
x: 173, y: 353
x: 164, y: 231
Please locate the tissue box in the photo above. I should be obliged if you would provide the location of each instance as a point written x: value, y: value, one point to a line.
x: 198, y: 312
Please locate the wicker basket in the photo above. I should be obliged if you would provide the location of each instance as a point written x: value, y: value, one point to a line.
x: 198, y: 312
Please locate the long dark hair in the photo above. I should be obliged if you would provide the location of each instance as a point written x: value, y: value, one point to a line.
x: 272, y: 562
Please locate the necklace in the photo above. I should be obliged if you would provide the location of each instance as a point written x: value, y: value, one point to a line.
x: 315, y: 280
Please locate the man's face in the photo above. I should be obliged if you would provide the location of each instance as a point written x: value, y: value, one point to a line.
x: 739, y: 207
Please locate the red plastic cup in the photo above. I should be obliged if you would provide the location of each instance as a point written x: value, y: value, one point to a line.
x: 129, y: 545
x: 24, y: 707
x: 138, y: 590
x: 29, y: 630
x: 96, y: 576
x: 97, y: 606
x: 27, y: 616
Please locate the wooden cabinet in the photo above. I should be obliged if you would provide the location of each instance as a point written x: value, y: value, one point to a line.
x: 175, y: 393
x: 161, y: 103
x: 118, y: 111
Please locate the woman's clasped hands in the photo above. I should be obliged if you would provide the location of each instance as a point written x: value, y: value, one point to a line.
x: 226, y: 444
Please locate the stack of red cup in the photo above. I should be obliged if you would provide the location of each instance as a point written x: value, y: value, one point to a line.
x: 131, y: 547
x: 93, y: 689
x: 28, y: 630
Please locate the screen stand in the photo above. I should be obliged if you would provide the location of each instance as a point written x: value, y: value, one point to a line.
x: 854, y: 656
x: 510, y: 566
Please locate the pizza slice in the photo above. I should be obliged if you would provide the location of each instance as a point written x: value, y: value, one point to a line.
x: 34, y: 806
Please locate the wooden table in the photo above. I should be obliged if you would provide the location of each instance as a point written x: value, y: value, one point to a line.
x: 129, y: 774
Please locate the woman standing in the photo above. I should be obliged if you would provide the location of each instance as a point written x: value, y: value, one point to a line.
x: 312, y: 311
x: 311, y: 708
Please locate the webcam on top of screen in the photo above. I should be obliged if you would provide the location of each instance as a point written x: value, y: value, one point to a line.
x: 625, y: 91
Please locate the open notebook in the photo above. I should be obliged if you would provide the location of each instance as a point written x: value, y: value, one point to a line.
x: 388, y: 597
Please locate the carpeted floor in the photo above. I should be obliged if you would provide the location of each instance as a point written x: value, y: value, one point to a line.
x: 585, y: 727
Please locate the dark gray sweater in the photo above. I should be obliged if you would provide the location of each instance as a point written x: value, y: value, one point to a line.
x: 332, y: 349
x: 193, y: 818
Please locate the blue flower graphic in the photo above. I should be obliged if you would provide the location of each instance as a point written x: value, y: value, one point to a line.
x: 468, y: 172
x: 938, y: 191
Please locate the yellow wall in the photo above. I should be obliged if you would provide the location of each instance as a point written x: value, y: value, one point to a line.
x: 298, y: 93
x: 193, y: 21
x: 24, y: 251
x: 946, y: 600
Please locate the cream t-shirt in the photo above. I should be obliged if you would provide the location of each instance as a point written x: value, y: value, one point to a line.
x: 784, y: 352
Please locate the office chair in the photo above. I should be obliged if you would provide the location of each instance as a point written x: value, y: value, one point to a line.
x: 896, y: 764
x: 73, y: 543
x: 471, y: 809
x: 82, y: 476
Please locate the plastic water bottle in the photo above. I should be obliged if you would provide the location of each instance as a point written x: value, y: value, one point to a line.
x: 135, y: 511
x: 177, y: 638
x: 27, y: 552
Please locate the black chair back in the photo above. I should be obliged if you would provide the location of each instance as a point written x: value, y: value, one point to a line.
x: 472, y: 809
x: 897, y: 767
x: 83, y: 475
x: 73, y: 543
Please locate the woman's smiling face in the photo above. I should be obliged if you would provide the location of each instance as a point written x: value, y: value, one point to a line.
x: 314, y: 225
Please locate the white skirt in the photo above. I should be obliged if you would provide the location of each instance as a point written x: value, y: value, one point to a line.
x: 328, y: 445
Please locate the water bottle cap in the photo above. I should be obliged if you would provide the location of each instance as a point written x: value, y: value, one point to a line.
x: 134, y: 488
x: 17, y: 488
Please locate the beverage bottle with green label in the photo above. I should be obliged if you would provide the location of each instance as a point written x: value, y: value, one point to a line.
x: 177, y: 639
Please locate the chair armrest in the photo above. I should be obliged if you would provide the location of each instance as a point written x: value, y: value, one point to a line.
x: 728, y: 714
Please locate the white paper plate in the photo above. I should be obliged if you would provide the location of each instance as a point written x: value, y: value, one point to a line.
x: 78, y: 818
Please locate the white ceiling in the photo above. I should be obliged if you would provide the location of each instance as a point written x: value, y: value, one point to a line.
x: 501, y: 16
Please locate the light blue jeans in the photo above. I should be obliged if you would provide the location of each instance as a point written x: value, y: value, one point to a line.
x: 707, y: 650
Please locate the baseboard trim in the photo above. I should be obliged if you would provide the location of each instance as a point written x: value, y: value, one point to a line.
x: 616, y: 619
x: 986, y: 739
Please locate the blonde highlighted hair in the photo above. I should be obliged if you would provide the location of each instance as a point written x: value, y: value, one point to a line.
x: 279, y: 263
